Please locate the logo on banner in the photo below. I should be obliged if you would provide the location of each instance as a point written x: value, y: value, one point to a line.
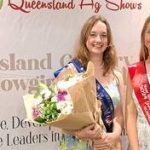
x: 1, y: 3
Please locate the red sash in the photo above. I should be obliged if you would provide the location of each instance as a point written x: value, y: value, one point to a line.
x: 141, y: 87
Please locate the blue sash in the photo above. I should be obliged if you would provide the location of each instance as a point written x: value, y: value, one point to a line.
x: 107, y: 106
x: 102, y: 95
x: 77, y: 65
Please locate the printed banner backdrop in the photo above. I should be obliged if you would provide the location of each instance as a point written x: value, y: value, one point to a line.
x: 38, y: 37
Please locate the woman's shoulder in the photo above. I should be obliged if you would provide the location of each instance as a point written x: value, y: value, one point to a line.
x: 118, y: 72
x: 119, y: 75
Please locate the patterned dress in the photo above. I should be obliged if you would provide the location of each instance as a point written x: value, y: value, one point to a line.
x: 69, y: 142
x: 142, y: 126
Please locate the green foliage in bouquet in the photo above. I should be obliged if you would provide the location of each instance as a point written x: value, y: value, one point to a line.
x: 49, y: 102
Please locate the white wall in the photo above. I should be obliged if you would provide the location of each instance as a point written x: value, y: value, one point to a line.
x: 47, y: 37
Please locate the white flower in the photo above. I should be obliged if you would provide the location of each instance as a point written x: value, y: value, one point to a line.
x: 37, y: 100
x: 67, y: 97
x: 60, y: 105
x: 65, y: 107
x: 46, y: 92
x: 68, y: 108
x: 64, y: 84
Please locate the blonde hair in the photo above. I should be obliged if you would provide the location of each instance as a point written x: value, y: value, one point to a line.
x: 82, y: 53
x: 144, y: 51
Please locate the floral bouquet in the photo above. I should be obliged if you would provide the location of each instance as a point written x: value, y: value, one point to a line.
x: 47, y: 103
x: 69, y: 103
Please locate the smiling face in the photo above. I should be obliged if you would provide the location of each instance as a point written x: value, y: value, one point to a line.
x: 97, y: 39
x: 96, y: 43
